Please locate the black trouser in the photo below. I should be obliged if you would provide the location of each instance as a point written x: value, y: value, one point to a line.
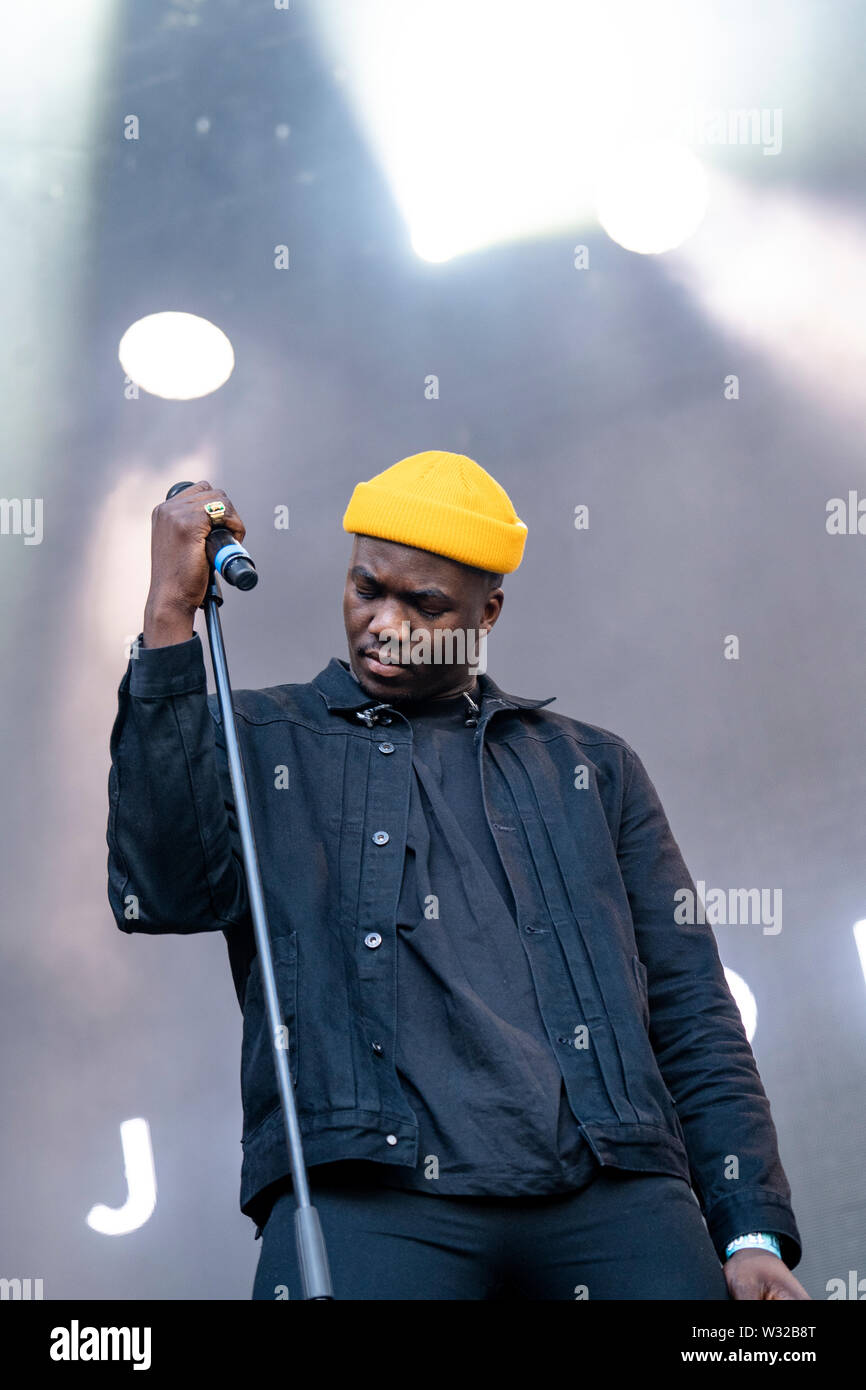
x: 624, y: 1236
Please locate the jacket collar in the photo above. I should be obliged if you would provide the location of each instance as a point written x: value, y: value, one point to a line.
x: 341, y: 691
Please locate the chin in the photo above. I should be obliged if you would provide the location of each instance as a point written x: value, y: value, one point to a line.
x: 377, y: 688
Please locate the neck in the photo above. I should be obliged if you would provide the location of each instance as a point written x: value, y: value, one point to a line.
x: 466, y: 687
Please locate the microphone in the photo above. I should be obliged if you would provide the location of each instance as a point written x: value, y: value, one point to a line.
x: 227, y: 556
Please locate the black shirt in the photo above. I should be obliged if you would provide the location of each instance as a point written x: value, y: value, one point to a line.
x: 473, y: 1056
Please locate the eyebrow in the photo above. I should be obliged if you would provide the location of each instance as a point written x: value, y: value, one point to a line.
x: 359, y: 572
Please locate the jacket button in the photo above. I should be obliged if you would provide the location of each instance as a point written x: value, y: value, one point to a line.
x: 372, y: 939
x: 381, y: 837
x: 390, y: 1138
x: 377, y: 1048
x: 386, y: 748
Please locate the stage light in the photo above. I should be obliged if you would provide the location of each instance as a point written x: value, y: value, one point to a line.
x: 860, y: 943
x: 492, y: 121
x: 744, y: 1000
x: 652, y: 196
x: 781, y: 273
x: 140, y: 1180
x: 175, y: 355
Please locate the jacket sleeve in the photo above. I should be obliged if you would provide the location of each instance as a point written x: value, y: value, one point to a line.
x: 174, y: 858
x: 698, y: 1036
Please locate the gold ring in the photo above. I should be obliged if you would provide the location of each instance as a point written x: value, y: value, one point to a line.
x: 215, y: 510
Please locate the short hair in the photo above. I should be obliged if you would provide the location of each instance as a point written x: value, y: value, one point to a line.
x: 489, y: 577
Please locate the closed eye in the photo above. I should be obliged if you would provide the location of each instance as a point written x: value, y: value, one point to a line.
x: 371, y: 593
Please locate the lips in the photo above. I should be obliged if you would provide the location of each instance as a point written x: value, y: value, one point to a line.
x: 381, y: 668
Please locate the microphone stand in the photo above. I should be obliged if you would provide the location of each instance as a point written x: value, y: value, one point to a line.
x: 312, y: 1255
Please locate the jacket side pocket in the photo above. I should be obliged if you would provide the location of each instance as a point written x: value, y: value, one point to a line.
x: 259, y: 1093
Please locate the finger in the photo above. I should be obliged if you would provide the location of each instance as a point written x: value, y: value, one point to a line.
x: 230, y: 517
x: 204, y: 494
x: 191, y: 494
x: 192, y: 502
x: 193, y: 488
x: 198, y: 493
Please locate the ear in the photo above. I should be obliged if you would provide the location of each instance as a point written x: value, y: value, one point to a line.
x: 492, y: 608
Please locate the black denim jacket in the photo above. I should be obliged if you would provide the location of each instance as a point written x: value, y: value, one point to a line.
x: 655, y: 1059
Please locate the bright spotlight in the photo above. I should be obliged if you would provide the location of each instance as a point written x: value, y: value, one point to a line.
x: 744, y: 1000
x: 652, y: 196
x: 803, y: 309
x: 490, y: 117
x: 860, y: 943
x: 177, y: 356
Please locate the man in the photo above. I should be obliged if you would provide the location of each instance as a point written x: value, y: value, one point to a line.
x: 517, y: 1073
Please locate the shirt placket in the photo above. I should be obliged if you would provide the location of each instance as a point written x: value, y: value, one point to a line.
x: 385, y: 825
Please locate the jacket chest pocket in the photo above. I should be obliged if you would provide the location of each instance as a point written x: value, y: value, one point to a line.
x: 259, y: 1092
x: 640, y: 974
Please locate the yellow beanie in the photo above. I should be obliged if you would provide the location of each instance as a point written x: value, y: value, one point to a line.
x: 441, y: 502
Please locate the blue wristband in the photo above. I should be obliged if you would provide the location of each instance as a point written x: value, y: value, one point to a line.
x: 759, y: 1240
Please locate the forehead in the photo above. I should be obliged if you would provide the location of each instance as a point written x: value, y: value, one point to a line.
x: 406, y: 566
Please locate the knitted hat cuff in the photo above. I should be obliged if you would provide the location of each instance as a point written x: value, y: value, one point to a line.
x: 469, y: 537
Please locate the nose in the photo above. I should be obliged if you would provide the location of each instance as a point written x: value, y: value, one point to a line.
x: 387, y: 621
